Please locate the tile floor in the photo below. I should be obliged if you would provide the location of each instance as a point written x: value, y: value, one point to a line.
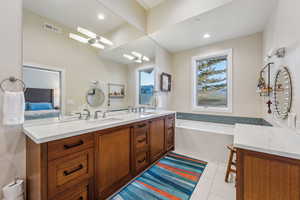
x: 212, y: 185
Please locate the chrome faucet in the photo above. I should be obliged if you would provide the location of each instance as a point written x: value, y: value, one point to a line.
x: 142, y: 109
x: 88, y: 114
x: 96, y: 114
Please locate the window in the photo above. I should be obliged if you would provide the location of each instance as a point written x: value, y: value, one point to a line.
x: 146, y: 85
x: 212, y: 84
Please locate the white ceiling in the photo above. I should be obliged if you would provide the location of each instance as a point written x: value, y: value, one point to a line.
x: 239, y: 18
x: 144, y: 45
x: 73, y: 13
x: 147, y: 4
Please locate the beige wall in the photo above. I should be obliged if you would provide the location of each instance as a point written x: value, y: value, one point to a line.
x: 12, y: 143
x: 80, y: 62
x: 283, y: 30
x: 247, y: 60
x: 162, y: 63
x: 130, y: 10
x: 123, y: 35
x: 174, y: 11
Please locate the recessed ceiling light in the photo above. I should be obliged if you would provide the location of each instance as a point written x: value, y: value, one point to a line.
x: 206, y: 36
x: 101, y: 16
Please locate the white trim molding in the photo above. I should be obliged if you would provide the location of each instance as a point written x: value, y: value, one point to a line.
x: 227, y: 109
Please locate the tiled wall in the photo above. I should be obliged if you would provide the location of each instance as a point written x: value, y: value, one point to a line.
x: 12, y: 141
x: 222, y: 119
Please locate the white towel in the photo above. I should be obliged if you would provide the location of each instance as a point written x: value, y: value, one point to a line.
x: 13, y: 108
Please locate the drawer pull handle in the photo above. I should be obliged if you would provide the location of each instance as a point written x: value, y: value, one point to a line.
x: 142, y: 125
x: 70, y: 146
x: 142, y: 140
x: 80, y: 198
x: 67, y: 173
x: 143, y: 160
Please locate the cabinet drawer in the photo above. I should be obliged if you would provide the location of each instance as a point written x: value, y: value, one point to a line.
x: 141, y: 128
x: 78, y: 193
x: 141, y: 142
x: 170, y: 122
x: 60, y: 148
x: 142, y: 161
x: 69, y: 171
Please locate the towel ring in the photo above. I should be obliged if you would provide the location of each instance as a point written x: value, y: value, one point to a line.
x: 12, y: 80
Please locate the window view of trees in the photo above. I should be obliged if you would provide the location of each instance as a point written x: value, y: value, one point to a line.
x: 212, y: 82
x: 146, y: 86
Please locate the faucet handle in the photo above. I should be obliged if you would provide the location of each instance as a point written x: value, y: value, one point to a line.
x: 104, y: 114
x: 80, y: 115
x: 96, y: 114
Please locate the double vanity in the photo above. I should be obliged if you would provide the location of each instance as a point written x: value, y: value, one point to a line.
x: 92, y: 159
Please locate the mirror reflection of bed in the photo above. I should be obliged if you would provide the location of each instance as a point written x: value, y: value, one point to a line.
x: 42, y: 96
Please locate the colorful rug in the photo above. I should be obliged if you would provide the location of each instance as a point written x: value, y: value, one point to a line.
x: 173, y: 177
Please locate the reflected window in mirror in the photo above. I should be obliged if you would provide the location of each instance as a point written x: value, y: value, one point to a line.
x: 212, y: 82
x: 43, y: 93
x: 146, y: 85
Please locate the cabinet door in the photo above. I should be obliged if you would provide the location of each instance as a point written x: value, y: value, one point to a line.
x: 157, y: 138
x: 170, y: 132
x: 113, y: 161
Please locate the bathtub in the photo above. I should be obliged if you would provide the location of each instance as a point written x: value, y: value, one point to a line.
x: 204, y: 140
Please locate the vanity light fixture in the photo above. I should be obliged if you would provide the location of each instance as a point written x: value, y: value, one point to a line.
x: 93, y: 39
x: 138, y: 61
x: 206, y: 36
x: 86, y: 32
x: 136, y: 57
x: 101, y: 16
x: 98, y: 45
x: 136, y: 54
x: 78, y: 38
x: 129, y: 57
x: 145, y: 58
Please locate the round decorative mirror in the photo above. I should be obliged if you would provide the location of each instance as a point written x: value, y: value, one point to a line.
x: 95, y: 97
x: 283, y: 92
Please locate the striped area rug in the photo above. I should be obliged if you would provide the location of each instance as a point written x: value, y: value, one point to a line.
x: 173, y: 177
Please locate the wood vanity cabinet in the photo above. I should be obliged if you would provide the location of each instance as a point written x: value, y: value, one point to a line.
x: 96, y: 165
x: 169, y: 133
x: 58, y: 168
x: 157, y: 138
x: 263, y: 176
x: 113, y: 160
x: 140, y: 147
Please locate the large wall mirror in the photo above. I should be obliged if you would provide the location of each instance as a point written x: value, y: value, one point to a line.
x: 66, y: 49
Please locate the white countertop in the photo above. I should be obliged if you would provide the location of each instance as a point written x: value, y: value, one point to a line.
x: 46, y: 132
x: 272, y: 140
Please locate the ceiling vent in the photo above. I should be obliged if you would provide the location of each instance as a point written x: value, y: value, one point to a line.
x: 52, y: 28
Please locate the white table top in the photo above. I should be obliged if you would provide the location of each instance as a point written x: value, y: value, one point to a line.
x: 272, y: 140
x: 46, y: 132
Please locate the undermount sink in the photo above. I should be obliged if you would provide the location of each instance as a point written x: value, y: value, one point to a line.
x: 147, y: 113
x: 105, y: 120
